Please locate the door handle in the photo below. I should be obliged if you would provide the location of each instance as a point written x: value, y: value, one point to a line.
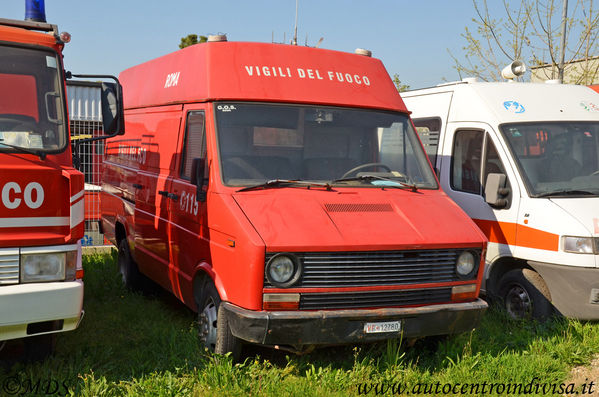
x: 166, y: 194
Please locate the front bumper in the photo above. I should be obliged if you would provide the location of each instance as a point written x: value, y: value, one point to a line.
x: 574, y: 290
x: 329, y: 327
x: 30, y: 309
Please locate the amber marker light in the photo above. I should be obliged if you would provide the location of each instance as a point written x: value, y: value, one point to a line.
x: 280, y: 301
x: 463, y: 292
x: 65, y: 37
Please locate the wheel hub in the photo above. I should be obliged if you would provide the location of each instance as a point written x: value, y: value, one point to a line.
x: 207, y: 326
x: 517, y: 302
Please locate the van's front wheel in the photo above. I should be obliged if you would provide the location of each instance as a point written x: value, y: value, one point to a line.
x: 213, y: 326
x: 525, y: 294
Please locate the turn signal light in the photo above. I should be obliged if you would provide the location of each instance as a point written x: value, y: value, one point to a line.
x: 280, y: 301
x: 463, y: 292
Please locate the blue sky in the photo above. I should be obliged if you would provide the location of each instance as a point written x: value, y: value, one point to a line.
x: 411, y: 37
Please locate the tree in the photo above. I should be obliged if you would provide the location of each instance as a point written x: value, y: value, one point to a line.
x: 400, y: 87
x: 531, y: 32
x: 191, y: 39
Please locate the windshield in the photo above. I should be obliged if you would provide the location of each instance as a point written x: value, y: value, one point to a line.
x: 556, y: 158
x: 31, y: 101
x: 263, y: 142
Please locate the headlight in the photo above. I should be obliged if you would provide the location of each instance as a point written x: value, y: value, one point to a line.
x: 43, y: 267
x: 465, y: 264
x: 580, y: 245
x: 283, y: 270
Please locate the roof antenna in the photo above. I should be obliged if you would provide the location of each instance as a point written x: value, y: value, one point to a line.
x: 294, y: 42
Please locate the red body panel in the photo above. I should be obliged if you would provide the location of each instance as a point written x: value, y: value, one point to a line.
x: 261, y: 72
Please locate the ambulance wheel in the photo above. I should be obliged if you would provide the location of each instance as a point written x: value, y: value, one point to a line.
x: 525, y: 295
x: 39, y: 347
x: 213, y: 326
x: 365, y: 166
x: 128, y: 268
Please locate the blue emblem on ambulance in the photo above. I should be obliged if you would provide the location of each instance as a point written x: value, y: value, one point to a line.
x: 514, y: 107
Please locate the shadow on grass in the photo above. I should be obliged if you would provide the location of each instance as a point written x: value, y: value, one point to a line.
x: 127, y: 336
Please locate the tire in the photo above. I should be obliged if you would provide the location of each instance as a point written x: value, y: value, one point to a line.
x: 39, y: 347
x: 524, y: 294
x: 213, y: 327
x: 132, y: 278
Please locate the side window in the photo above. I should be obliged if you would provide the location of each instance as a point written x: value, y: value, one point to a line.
x: 493, y: 163
x: 194, y: 145
x: 469, y: 161
x: 428, y: 130
x: 466, y: 161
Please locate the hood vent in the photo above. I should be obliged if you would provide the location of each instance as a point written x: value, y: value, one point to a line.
x: 363, y: 207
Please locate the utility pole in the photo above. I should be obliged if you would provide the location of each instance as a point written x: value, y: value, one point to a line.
x: 560, y: 69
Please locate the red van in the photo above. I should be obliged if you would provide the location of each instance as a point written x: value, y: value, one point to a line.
x: 282, y: 192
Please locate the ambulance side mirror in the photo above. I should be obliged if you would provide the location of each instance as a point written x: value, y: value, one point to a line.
x: 198, y: 167
x: 113, y: 119
x: 496, y: 192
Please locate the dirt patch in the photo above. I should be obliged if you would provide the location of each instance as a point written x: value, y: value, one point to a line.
x: 583, y: 376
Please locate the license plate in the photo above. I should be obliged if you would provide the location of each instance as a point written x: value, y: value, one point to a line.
x: 390, y: 326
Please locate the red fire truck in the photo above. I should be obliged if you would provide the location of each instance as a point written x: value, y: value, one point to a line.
x: 41, y: 194
x: 282, y: 192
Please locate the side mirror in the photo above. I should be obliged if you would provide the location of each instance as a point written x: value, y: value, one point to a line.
x: 198, y: 167
x: 113, y: 116
x: 112, y: 109
x: 496, y: 192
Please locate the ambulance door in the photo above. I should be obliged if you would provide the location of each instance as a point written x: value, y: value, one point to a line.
x: 471, y: 153
x: 188, y: 227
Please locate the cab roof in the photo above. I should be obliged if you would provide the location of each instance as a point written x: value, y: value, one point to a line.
x: 260, y: 72
x: 29, y: 33
x: 517, y: 102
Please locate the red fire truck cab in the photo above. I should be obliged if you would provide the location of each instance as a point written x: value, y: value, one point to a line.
x: 282, y: 192
x: 41, y: 206
x: 41, y: 193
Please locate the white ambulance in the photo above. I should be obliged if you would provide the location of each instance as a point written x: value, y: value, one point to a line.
x: 522, y: 160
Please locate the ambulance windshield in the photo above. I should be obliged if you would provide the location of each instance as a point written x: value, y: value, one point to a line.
x: 32, y: 116
x: 262, y: 142
x: 556, y: 158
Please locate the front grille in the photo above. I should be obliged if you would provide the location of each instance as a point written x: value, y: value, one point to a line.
x: 373, y: 299
x: 375, y: 268
x: 9, y: 266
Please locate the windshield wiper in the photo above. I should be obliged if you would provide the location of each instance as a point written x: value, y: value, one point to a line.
x: 566, y: 192
x: 393, y: 183
x: 274, y: 183
x: 39, y: 153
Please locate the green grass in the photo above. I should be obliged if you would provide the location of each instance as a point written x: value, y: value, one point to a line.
x: 129, y: 345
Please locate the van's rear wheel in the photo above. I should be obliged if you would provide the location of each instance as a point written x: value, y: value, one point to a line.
x: 525, y: 295
x: 130, y: 275
x: 213, y: 327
